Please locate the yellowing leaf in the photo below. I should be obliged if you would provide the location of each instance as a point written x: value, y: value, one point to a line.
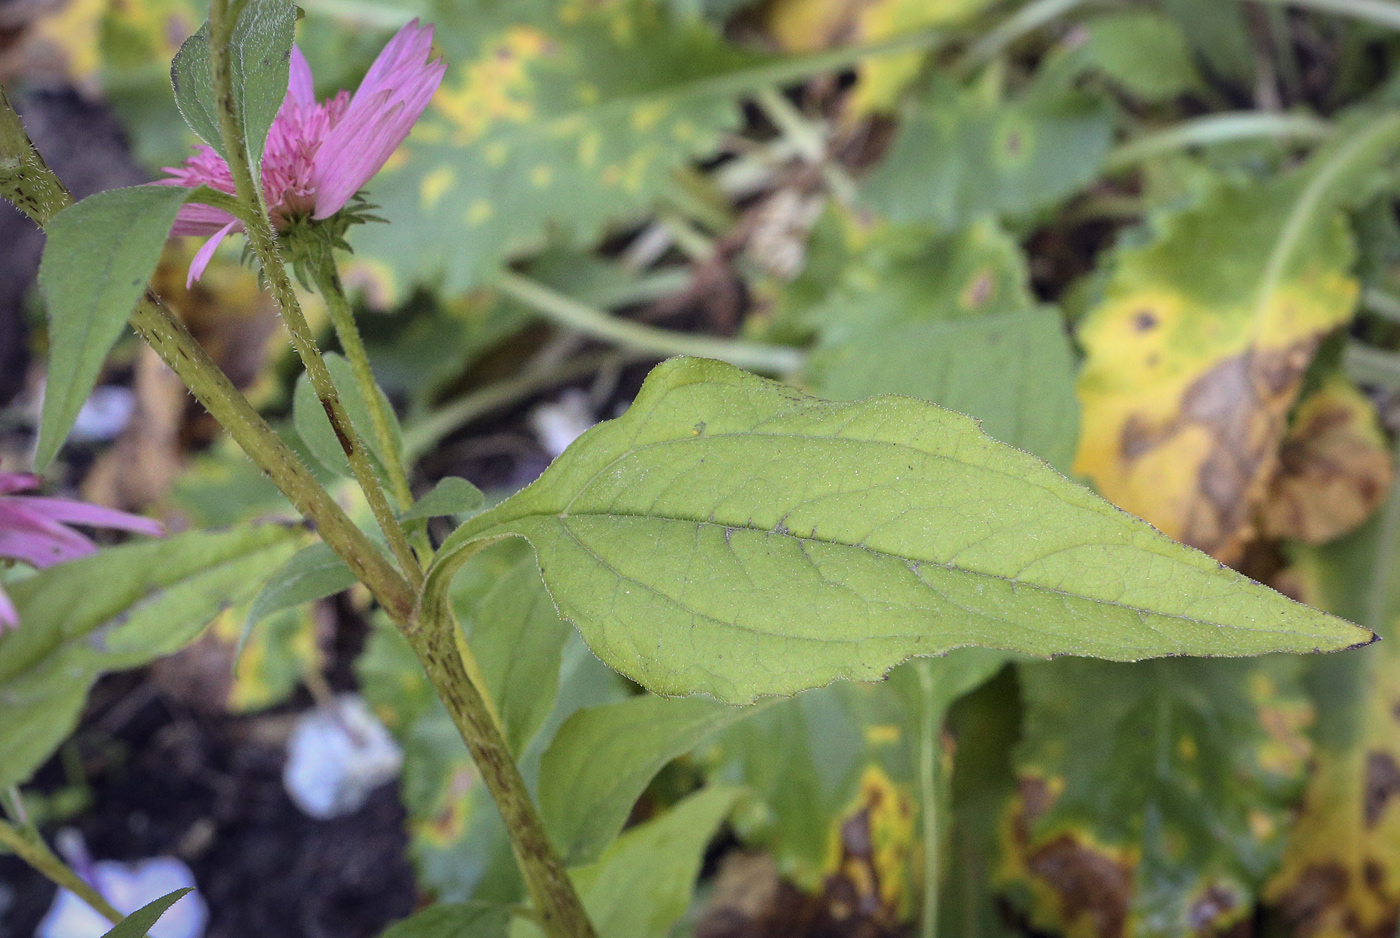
x: 1335, y: 468
x: 870, y: 849
x: 808, y: 25
x: 1194, y: 359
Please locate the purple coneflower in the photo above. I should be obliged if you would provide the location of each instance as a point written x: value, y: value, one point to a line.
x: 318, y: 155
x: 33, y: 530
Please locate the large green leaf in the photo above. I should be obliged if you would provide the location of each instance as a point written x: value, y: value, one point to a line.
x: 1162, y: 789
x: 643, y: 884
x: 315, y: 430
x: 120, y: 608
x: 570, y: 116
x: 957, y: 157
x: 99, y: 256
x: 260, y: 49
x: 603, y: 758
x: 733, y: 536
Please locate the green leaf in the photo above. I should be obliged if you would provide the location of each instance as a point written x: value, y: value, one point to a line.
x: 312, y: 573
x: 517, y: 638
x: 1163, y: 787
x: 732, y: 536
x: 120, y: 608
x: 643, y: 884
x: 1030, y: 405
x: 260, y: 49
x: 454, y: 920
x: 603, y: 758
x: 570, y: 118
x: 1144, y: 52
x: 139, y: 922
x: 314, y: 427
x: 451, y: 496
x: 99, y: 257
x: 956, y: 158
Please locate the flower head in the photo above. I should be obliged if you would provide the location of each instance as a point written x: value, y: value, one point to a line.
x: 319, y: 154
x: 34, y: 530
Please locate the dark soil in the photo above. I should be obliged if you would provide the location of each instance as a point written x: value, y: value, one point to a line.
x: 209, y: 791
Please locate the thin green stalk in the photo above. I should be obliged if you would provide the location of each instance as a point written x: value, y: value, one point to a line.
x: 32, y: 850
x: 809, y: 142
x: 930, y: 796
x: 437, y: 426
x: 1365, y: 143
x: 568, y: 312
x: 263, y: 240
x: 1381, y: 303
x: 1212, y: 129
x: 1380, y: 12
x: 1024, y: 21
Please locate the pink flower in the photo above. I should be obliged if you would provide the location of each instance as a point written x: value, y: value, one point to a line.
x: 318, y: 155
x: 33, y: 530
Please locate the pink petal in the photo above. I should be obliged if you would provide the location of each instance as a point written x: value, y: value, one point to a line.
x: 342, y: 164
x: 94, y: 516
x: 200, y: 220
x: 37, y: 540
x: 206, y: 254
x: 9, y: 616
x: 302, y: 89
x: 409, y: 47
x: 17, y: 482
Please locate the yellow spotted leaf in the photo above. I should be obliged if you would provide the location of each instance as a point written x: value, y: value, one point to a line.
x: 808, y: 25
x: 1196, y: 352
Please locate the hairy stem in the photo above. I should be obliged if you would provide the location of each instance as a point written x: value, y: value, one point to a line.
x: 557, y: 905
x: 263, y: 241
x: 32, y: 850
x: 328, y: 283
x: 39, y: 193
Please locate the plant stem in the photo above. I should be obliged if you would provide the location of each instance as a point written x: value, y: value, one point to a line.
x: 32, y: 850
x: 263, y: 240
x: 423, y: 436
x: 561, y: 912
x: 1380, y: 12
x: 1215, y: 128
x: 1026, y: 20
x: 39, y: 193
x: 772, y: 359
x: 809, y: 141
x: 930, y: 796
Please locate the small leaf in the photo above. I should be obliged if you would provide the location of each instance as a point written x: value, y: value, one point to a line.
x: 120, y: 608
x: 312, y: 573
x: 603, y: 758
x: 314, y: 427
x: 956, y: 158
x: 260, y: 49
x: 732, y: 536
x: 517, y: 639
x: 138, y: 923
x: 643, y: 884
x: 454, y: 920
x: 451, y: 496
x: 99, y: 257
x: 1118, y: 46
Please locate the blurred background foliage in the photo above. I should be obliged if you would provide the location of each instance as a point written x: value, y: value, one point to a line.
x: 1154, y: 242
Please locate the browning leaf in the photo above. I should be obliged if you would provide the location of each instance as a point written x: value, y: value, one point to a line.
x: 1193, y: 365
x: 1334, y: 467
